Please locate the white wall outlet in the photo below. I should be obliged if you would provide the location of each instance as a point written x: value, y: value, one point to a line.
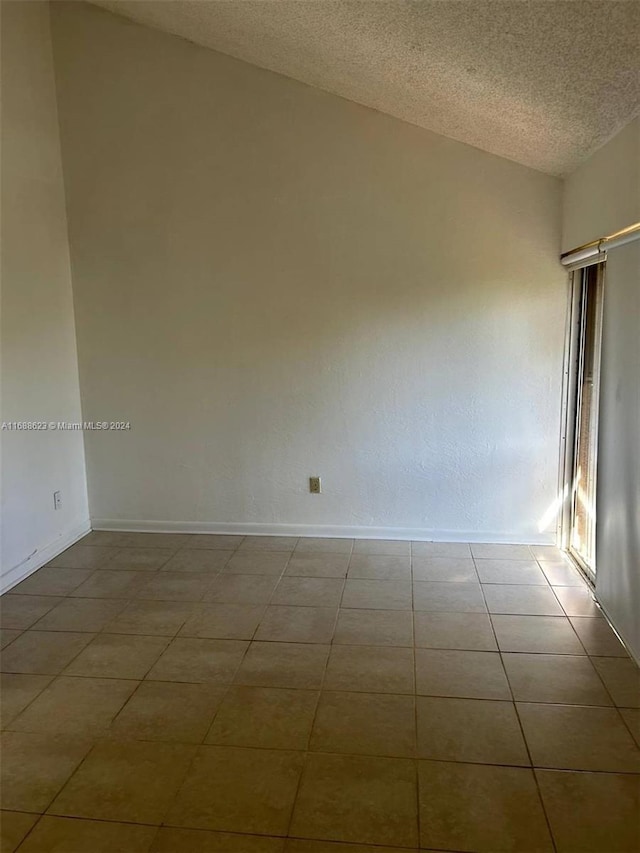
x: 57, y: 500
x: 315, y: 485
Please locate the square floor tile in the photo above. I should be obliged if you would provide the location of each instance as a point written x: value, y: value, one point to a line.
x: 473, y: 730
x: 139, y: 559
x: 265, y: 718
x: 482, y: 808
x: 257, y: 563
x: 165, y: 711
x: 448, y: 597
x: 175, y: 586
x: 366, y: 724
x: 521, y: 600
x: 17, y: 691
x: 35, y: 766
x: 152, y: 618
x: 170, y: 840
x: 80, y: 614
x: 577, y: 601
x: 444, y: 569
x: 546, y: 553
x: 199, y: 661
x: 52, y: 581
x: 75, y: 706
x: 377, y: 594
x: 317, y: 565
x: 22, y: 611
x: 361, y: 799
x: 374, y: 628
x: 198, y: 560
x: 239, y: 790
x: 567, y: 679
x: 43, y: 652
x: 218, y: 541
x: 300, y: 845
x: 597, y: 637
x: 384, y: 547
x: 298, y: 665
x: 511, y: 572
x: 563, y: 574
x: 224, y: 621
x: 118, y: 656
x: 297, y: 624
x: 269, y: 543
x: 81, y: 836
x: 83, y: 557
x: 106, y: 584
x: 484, y: 551
x: 578, y: 738
x: 13, y: 828
x: 324, y: 546
x: 370, y: 669
x: 469, y: 631
x: 550, y: 634
x: 591, y: 812
x: 468, y: 675
x: 241, y: 589
x: 169, y: 541
x: 621, y: 677
x: 377, y: 567
x: 125, y: 781
x: 441, y: 549
x: 309, y: 592
x: 102, y: 539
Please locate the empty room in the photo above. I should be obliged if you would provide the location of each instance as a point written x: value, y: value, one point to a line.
x: 320, y: 446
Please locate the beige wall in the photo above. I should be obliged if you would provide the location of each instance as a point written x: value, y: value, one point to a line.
x: 39, y: 364
x: 602, y: 196
x: 271, y: 283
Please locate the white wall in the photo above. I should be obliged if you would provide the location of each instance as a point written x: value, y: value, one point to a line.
x: 602, y: 196
x: 39, y: 363
x: 272, y: 282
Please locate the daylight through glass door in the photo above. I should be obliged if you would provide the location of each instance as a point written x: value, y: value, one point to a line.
x: 588, y: 302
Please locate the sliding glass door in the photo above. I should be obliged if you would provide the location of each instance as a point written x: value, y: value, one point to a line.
x: 582, y: 418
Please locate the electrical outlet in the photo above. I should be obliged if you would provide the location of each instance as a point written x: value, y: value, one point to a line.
x: 315, y: 485
x: 57, y: 500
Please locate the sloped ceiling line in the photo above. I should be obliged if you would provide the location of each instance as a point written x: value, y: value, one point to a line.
x: 542, y: 83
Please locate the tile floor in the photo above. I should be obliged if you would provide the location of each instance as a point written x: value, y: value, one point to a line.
x: 200, y: 693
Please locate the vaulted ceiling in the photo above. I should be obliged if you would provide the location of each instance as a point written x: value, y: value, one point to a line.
x: 542, y: 82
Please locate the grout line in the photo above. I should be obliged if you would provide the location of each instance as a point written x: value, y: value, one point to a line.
x: 312, y: 727
x: 52, y: 678
x: 106, y: 737
x: 177, y: 635
x: 197, y: 603
x: 610, y: 695
x: 370, y: 691
x: 523, y: 735
x: 416, y: 745
x: 31, y: 829
x: 634, y: 736
x: 68, y: 779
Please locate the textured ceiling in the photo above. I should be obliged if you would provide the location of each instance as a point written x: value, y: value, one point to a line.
x: 542, y: 82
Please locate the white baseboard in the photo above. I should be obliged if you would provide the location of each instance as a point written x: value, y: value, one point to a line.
x: 319, y: 530
x: 41, y: 556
